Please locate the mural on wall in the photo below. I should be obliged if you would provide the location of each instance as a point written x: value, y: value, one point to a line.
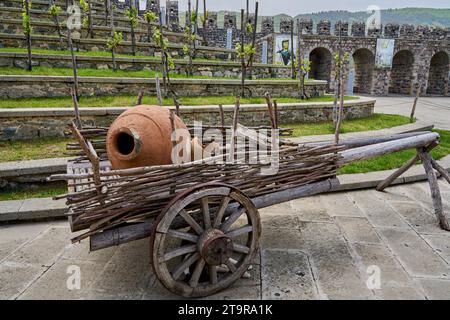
x: 385, y: 53
x: 282, y: 51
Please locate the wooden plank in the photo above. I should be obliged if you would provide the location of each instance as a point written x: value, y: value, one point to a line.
x: 119, y: 236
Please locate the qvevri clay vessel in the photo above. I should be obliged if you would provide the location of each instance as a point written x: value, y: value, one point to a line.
x: 141, y: 136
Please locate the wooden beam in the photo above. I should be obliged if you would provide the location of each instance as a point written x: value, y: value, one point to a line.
x: 435, y: 191
x: 444, y: 173
x: 372, y: 151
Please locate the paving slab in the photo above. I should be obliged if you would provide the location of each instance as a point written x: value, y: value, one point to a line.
x: 273, y: 238
x: 128, y: 271
x: 333, y: 266
x: 421, y: 219
x: 16, y: 277
x: 378, y: 212
x: 45, y: 249
x: 53, y: 284
x: 440, y: 243
x: 13, y: 236
x: 436, y: 289
x: 416, y: 256
x: 339, y: 204
x: 287, y: 275
x: 311, y: 209
x: 42, y: 208
x: 357, y: 229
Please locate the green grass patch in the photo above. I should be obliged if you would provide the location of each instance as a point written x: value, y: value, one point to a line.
x: 376, y: 122
x: 44, y: 191
x: 87, y: 72
x: 43, y: 148
x: 396, y: 160
x: 127, y: 100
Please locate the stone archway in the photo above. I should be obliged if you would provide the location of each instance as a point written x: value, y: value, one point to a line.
x: 364, y: 61
x: 321, y: 62
x: 402, y: 73
x: 438, y: 75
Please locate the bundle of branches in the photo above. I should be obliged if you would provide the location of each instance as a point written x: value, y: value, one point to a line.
x: 114, y: 197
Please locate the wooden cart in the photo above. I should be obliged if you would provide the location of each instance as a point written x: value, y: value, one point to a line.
x: 202, y: 218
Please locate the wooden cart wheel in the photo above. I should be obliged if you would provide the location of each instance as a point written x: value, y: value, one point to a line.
x: 205, y: 240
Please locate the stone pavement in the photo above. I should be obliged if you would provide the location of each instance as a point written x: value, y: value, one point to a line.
x: 323, y: 247
x: 434, y: 110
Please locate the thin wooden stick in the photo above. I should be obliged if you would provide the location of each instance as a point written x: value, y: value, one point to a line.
x: 413, y: 111
x: 75, y: 107
x: 158, y: 91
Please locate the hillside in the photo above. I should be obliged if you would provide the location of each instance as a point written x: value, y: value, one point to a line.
x: 415, y: 16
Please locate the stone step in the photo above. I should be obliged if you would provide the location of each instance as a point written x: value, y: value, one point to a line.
x: 32, y: 209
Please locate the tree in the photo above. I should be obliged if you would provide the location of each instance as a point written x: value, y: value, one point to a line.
x: 55, y: 11
x: 87, y: 21
x: 244, y: 51
x: 116, y: 37
x: 132, y: 14
x: 167, y: 61
x: 304, y: 67
x: 191, y: 37
x: 204, y: 19
x: 27, y: 29
x: 150, y: 17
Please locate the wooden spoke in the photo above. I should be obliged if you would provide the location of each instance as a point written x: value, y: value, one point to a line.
x: 193, y: 282
x: 183, y: 235
x: 232, y: 219
x: 231, y: 266
x: 241, y: 249
x: 183, y: 244
x: 240, y: 231
x: 194, y: 225
x: 177, y: 272
x: 179, y: 252
x: 223, y: 206
x: 205, y: 211
x: 213, y: 274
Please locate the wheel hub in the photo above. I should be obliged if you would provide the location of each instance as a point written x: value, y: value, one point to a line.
x: 215, y: 247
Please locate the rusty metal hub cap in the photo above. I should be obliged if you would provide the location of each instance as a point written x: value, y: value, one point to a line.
x: 215, y: 247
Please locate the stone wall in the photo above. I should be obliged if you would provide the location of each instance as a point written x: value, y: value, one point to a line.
x: 12, y: 87
x: 31, y: 124
x: 226, y: 69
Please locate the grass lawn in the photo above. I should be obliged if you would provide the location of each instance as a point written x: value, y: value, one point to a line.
x: 44, y: 191
x: 127, y: 100
x: 377, y: 122
x: 32, y: 149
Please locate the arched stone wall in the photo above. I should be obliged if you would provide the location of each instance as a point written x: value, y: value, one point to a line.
x: 402, y: 73
x: 364, y: 61
x: 438, y: 74
x: 321, y: 64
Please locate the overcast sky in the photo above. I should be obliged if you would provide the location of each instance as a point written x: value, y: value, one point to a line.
x: 294, y: 7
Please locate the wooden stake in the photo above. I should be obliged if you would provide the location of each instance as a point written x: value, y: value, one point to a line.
x: 139, y: 98
x: 75, y: 107
x: 413, y: 111
x: 158, y: 91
